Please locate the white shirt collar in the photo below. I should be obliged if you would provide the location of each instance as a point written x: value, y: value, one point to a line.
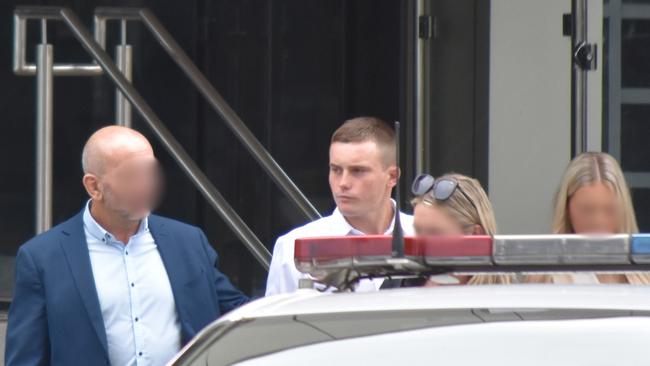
x: 346, y: 229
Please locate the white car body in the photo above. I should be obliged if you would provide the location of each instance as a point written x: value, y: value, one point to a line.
x: 463, y: 325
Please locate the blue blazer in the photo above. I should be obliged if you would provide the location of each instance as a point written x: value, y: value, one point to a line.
x: 55, y: 318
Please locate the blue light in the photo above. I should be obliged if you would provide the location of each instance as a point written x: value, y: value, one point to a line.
x: 640, y: 248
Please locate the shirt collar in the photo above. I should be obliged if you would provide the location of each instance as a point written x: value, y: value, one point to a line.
x: 343, y: 227
x: 98, y: 232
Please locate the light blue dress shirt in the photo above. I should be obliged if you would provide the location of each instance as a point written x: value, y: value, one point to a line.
x: 135, y: 296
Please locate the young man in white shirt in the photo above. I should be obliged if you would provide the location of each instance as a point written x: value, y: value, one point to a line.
x: 362, y: 175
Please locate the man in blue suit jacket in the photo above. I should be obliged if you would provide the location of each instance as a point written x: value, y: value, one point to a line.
x: 114, y: 284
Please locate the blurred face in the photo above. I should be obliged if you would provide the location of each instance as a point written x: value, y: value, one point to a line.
x: 595, y: 209
x: 130, y: 188
x: 431, y: 220
x: 360, y: 181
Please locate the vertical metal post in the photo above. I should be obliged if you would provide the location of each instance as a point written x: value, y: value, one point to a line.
x: 420, y: 136
x: 580, y: 78
x: 44, y: 84
x: 20, y: 28
x: 614, y: 74
x: 124, y: 56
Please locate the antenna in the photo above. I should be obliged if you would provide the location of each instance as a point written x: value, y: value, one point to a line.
x: 398, y: 233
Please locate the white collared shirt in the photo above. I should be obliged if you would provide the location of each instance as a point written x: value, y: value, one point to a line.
x: 283, y: 274
x: 135, y: 296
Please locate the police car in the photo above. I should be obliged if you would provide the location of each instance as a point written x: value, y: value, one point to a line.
x: 532, y: 324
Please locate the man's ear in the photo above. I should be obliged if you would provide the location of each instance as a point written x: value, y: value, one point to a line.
x: 478, y: 230
x: 92, y: 185
x: 394, y: 174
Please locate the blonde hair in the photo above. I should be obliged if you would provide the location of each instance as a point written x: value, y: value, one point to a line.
x: 589, y: 168
x: 468, y: 209
x: 585, y: 169
x: 460, y: 208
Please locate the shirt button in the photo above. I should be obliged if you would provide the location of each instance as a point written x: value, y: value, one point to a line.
x: 132, y: 284
x: 127, y: 252
x: 136, y: 319
x: 140, y: 354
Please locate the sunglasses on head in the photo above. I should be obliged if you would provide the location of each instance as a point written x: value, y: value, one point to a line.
x: 441, y: 189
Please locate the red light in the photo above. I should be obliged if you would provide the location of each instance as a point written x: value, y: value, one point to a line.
x: 341, y: 247
x: 456, y: 246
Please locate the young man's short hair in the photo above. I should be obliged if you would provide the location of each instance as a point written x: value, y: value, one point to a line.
x: 362, y: 129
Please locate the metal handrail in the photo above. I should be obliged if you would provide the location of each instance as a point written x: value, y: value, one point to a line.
x: 20, y: 65
x: 200, y: 180
x: 213, y: 97
x: 216, y: 101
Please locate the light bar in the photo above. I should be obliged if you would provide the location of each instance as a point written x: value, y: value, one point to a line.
x: 371, y: 256
x: 561, y: 249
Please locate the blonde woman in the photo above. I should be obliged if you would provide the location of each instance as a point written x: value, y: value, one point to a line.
x: 454, y: 204
x: 593, y: 198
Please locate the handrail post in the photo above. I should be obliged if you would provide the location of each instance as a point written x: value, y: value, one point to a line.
x: 419, y: 93
x: 124, y: 58
x: 20, y: 28
x: 44, y: 84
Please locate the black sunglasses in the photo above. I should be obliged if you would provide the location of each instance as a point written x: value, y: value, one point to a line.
x: 441, y: 189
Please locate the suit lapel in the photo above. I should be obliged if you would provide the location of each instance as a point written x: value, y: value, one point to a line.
x: 75, y: 247
x: 174, y: 258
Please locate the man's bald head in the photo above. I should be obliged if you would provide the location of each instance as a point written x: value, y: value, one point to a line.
x: 110, y: 145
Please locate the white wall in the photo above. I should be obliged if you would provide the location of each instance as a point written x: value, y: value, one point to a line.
x: 530, y: 91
